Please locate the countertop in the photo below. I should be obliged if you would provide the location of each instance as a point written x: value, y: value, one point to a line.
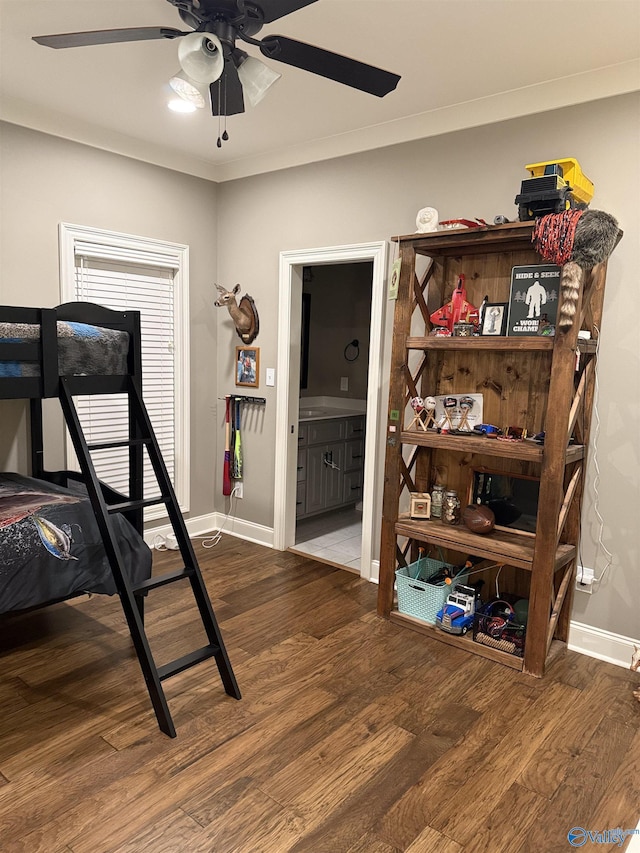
x: 325, y: 413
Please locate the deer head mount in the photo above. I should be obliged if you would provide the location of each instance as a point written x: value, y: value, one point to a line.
x: 244, y: 313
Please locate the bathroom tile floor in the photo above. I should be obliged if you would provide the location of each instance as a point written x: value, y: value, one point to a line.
x: 334, y: 537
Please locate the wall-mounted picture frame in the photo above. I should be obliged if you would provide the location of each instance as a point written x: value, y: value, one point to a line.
x: 494, y: 319
x: 248, y: 366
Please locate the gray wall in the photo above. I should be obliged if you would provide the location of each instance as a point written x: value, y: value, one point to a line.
x: 340, y: 312
x: 362, y: 198
x: 46, y: 180
x: 474, y: 173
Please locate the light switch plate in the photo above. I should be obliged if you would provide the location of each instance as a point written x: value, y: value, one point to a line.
x: 271, y: 376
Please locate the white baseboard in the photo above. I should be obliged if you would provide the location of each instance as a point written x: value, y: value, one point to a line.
x: 603, y: 645
x: 204, y: 524
x: 374, y: 577
x: 248, y: 530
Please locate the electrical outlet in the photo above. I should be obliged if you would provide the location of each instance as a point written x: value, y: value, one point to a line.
x: 344, y: 383
x: 584, y: 579
x: 238, y: 488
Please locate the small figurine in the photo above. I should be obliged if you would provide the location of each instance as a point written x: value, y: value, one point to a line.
x: 466, y: 404
x: 458, y: 308
x: 440, y: 332
x: 449, y: 404
x: 430, y: 407
x: 417, y: 404
x: 545, y: 328
x: 427, y: 220
x: 488, y: 430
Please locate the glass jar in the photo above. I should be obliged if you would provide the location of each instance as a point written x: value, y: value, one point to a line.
x: 451, y: 508
x: 437, y: 498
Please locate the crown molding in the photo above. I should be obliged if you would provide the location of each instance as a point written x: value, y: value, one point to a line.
x: 607, y: 82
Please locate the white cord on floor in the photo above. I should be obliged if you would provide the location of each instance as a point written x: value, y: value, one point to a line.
x: 208, y: 541
x: 212, y: 539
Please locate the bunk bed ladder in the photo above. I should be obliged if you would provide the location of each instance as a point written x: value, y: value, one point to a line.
x: 141, y: 432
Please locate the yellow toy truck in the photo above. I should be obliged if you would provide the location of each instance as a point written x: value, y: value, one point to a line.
x: 554, y: 186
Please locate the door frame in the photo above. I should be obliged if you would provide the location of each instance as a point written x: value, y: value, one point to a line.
x: 287, y: 394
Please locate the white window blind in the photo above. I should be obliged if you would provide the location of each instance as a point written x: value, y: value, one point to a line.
x: 123, y: 277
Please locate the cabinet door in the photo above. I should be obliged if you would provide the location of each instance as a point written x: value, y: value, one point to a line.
x: 302, y: 465
x: 354, y: 455
x: 325, y: 431
x: 334, y: 476
x: 315, y: 478
x: 301, y: 500
x: 355, y: 427
x: 352, y: 487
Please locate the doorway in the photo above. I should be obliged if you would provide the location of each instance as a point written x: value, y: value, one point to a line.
x: 292, y: 265
x: 336, y: 328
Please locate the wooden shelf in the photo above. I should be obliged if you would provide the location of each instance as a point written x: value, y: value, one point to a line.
x: 466, y: 642
x: 491, y: 343
x: 524, y: 451
x: 534, y: 381
x: 514, y: 549
x: 463, y: 241
x: 462, y: 642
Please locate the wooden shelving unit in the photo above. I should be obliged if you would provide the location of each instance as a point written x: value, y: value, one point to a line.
x: 543, y: 384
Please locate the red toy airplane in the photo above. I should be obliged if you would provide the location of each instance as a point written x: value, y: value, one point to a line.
x: 457, y: 309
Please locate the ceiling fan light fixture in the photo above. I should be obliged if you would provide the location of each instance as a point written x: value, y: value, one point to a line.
x: 179, y: 105
x: 189, y: 90
x: 256, y: 79
x: 201, y: 57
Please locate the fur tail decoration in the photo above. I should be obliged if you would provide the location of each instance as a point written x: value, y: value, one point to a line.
x: 570, y: 285
x: 578, y: 240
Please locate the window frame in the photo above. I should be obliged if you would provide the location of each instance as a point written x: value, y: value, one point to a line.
x: 127, y: 248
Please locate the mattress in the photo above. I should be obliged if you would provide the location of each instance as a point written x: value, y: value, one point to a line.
x: 51, y: 548
x: 83, y: 350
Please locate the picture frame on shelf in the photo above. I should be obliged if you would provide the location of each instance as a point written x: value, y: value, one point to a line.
x: 513, y: 498
x: 248, y: 366
x: 535, y: 289
x: 494, y: 319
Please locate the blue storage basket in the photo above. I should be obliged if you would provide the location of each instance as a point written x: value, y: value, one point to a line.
x: 419, y: 597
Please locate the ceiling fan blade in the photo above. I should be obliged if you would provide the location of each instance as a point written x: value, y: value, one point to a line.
x: 107, y: 36
x: 274, y: 9
x: 227, y: 98
x: 336, y: 67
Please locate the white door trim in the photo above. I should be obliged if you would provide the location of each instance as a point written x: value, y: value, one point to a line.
x: 290, y: 297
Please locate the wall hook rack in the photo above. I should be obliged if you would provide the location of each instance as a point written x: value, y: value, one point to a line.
x: 258, y: 401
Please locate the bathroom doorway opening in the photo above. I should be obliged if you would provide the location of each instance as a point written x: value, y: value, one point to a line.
x: 334, y: 369
x: 373, y: 257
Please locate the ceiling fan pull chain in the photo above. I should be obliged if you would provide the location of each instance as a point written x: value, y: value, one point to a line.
x: 219, y: 142
x: 225, y: 135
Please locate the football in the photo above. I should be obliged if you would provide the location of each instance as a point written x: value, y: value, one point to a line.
x: 478, y: 518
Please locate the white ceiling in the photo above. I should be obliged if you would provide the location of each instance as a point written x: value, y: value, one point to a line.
x: 462, y: 62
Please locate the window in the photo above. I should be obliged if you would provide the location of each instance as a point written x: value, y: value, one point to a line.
x: 123, y: 272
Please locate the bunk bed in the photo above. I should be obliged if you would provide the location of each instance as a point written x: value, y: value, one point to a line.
x: 50, y: 544
x: 63, y: 533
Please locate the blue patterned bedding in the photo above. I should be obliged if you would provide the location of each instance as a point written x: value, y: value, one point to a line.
x: 83, y: 350
x: 51, y: 548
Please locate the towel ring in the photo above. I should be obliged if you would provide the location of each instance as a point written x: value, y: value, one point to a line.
x: 348, y: 350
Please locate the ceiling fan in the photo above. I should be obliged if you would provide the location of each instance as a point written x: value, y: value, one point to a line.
x: 211, y: 61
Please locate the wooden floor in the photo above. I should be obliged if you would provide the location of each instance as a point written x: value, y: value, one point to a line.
x: 353, y: 735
